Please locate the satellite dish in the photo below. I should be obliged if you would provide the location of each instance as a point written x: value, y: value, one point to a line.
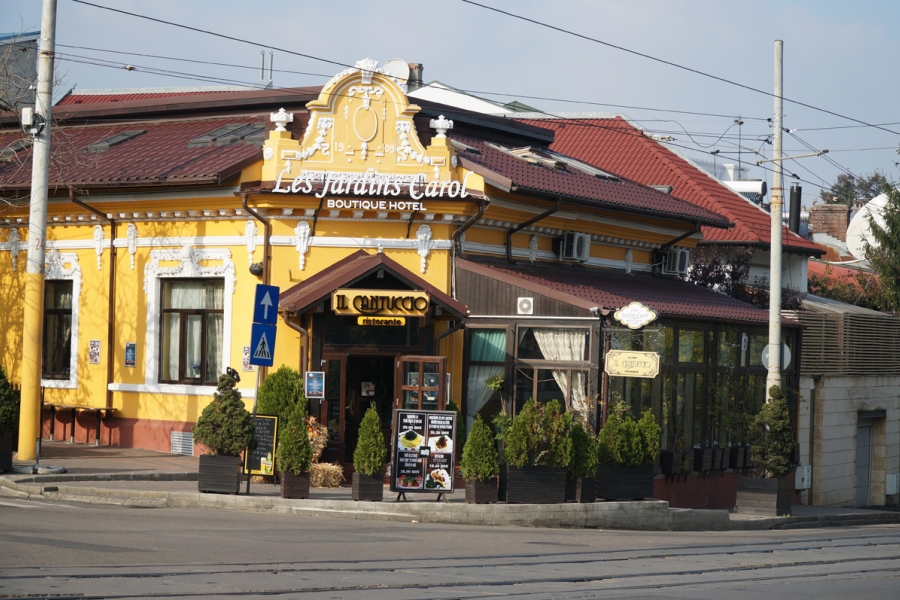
x: 858, y: 230
x: 397, y: 68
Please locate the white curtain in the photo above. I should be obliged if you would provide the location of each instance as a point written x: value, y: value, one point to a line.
x: 566, y: 345
x: 182, y: 294
x: 478, y: 391
x: 215, y: 298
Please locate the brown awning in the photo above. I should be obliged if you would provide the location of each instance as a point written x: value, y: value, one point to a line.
x: 609, y: 290
x: 355, y: 267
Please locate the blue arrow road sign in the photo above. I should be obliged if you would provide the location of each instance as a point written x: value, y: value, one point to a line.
x: 262, y: 345
x: 265, y: 306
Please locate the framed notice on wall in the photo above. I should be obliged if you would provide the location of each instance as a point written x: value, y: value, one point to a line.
x: 130, y: 354
x: 94, y: 352
x: 422, y: 451
x: 315, y: 384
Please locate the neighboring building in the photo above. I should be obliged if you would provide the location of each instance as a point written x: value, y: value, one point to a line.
x: 413, y: 265
x: 18, y: 70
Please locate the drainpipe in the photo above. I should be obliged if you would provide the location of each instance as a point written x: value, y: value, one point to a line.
x: 482, y: 204
x: 111, y: 328
x: 510, y: 232
x: 304, y: 339
x: 437, y: 339
x: 266, y: 235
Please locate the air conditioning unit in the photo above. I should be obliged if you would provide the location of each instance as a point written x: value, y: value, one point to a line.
x: 892, y: 484
x: 676, y: 261
x: 525, y: 306
x: 802, y: 477
x: 574, y: 246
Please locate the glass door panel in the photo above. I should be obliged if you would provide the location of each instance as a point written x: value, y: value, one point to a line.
x: 333, y: 406
x: 419, y: 383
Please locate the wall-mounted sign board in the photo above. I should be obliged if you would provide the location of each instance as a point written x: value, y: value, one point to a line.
x: 382, y: 303
x: 622, y: 363
x: 635, y: 315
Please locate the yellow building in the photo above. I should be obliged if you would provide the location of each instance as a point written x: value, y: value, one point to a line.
x: 419, y: 250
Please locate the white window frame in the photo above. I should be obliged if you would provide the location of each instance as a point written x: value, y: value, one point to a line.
x: 64, y: 266
x: 187, y: 259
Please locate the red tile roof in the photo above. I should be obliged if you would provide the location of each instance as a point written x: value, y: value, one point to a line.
x: 573, y: 183
x: 74, y: 98
x: 611, y: 290
x: 615, y: 145
x: 159, y: 156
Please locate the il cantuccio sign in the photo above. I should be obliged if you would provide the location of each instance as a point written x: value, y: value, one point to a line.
x: 370, y: 183
x: 621, y: 363
x: 382, y: 303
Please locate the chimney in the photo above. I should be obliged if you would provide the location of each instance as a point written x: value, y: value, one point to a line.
x: 729, y: 168
x: 831, y: 219
x: 794, y: 219
x: 415, y: 76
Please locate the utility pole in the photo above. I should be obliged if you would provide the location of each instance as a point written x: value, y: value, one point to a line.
x: 774, y: 374
x: 33, y: 305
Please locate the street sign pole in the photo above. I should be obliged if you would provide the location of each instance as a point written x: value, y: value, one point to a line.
x: 262, y: 338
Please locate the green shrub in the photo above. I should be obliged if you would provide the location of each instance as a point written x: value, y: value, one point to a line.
x: 294, y: 450
x: 460, y: 440
x: 537, y: 436
x: 622, y: 441
x: 225, y: 427
x: 280, y: 392
x: 479, y: 457
x: 584, y: 451
x: 370, y: 453
x: 772, y: 437
x: 9, y: 405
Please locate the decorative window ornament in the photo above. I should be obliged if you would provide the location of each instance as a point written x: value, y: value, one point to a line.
x: 532, y: 248
x: 301, y: 231
x: 14, y: 246
x: 132, y: 237
x: 423, y: 238
x: 250, y: 231
x: 98, y: 245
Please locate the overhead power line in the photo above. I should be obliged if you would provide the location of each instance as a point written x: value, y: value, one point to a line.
x: 671, y: 64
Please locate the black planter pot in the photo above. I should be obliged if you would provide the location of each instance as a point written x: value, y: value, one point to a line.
x: 719, y: 460
x: 6, y: 439
x: 670, y: 462
x: 481, y: 492
x: 295, y: 485
x: 368, y: 487
x: 219, y: 474
x: 703, y: 459
x: 532, y: 485
x: 748, y: 462
x: 764, y: 497
x: 617, y: 482
x: 582, y: 490
x: 736, y: 457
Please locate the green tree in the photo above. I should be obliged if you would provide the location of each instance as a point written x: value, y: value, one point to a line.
x: 884, y: 250
x: 479, y: 458
x: 584, y: 451
x: 280, y: 393
x: 538, y: 436
x: 772, y: 437
x: 847, y: 188
x: 294, y: 451
x: 9, y: 404
x: 370, y: 453
x: 225, y: 426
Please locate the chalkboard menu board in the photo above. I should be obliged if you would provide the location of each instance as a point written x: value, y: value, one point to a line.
x: 422, y: 450
x: 262, y: 460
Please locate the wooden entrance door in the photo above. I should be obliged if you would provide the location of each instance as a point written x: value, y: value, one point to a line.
x: 420, y: 383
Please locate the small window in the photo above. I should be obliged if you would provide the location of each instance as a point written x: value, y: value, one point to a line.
x: 191, y: 331
x: 7, y: 153
x: 57, y: 350
x: 119, y: 138
x: 546, y: 343
x: 251, y: 133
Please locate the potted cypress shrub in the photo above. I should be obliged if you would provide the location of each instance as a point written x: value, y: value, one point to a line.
x: 626, y: 451
x: 772, y: 442
x: 9, y: 420
x: 581, y: 474
x: 225, y: 427
x: 536, y: 453
x: 295, y: 454
x: 279, y: 393
x: 368, y: 459
x: 479, y: 464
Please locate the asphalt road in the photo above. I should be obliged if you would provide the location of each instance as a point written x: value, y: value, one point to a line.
x: 62, y: 550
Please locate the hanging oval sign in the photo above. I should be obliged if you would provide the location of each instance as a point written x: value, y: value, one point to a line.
x: 635, y: 315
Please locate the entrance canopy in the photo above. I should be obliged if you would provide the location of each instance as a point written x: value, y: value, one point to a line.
x: 354, y: 268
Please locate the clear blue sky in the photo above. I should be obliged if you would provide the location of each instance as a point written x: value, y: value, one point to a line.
x: 839, y: 55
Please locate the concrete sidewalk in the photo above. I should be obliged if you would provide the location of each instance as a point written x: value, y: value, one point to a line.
x: 133, y: 477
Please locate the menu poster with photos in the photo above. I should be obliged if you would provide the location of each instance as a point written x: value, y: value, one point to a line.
x: 423, y: 450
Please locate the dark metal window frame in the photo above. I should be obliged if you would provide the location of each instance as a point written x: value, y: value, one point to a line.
x: 182, y: 338
x: 53, y: 318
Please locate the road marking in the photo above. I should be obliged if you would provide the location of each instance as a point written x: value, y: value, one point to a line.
x: 34, y: 504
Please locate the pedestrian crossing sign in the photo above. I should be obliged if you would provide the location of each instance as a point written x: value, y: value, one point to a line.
x: 262, y: 345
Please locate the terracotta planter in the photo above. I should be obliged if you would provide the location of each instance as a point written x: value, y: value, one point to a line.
x: 481, y: 492
x: 764, y: 497
x: 532, y: 485
x: 368, y: 487
x: 703, y: 459
x: 670, y: 462
x: 6, y: 449
x: 219, y: 474
x: 617, y: 482
x: 295, y: 485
